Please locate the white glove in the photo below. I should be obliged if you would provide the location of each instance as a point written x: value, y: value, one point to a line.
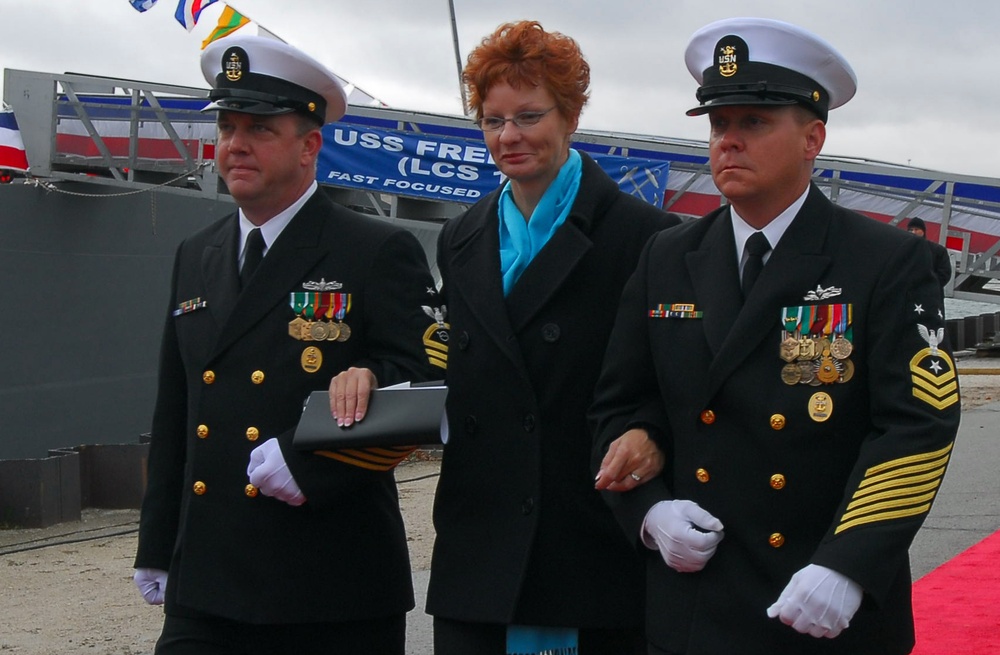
x: 152, y: 584
x: 817, y: 601
x: 269, y: 473
x: 684, y: 533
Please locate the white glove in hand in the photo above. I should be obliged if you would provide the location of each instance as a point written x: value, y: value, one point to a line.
x: 152, y: 584
x: 269, y: 473
x: 817, y: 601
x: 684, y: 533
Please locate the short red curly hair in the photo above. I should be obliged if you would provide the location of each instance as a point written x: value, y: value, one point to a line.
x: 524, y: 53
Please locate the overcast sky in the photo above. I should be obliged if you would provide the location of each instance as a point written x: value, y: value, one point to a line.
x: 927, y: 86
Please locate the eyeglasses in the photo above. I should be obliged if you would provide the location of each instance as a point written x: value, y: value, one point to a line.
x: 522, y: 120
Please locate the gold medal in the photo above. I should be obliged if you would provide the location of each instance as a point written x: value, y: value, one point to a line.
x: 841, y: 348
x: 848, y: 371
x: 807, y: 348
x: 789, y: 348
x: 312, y: 359
x: 822, y: 347
x: 318, y: 331
x: 333, y: 331
x: 295, y: 327
x: 806, y: 372
x: 827, y: 371
x: 820, y: 406
x: 345, y: 332
x: 790, y: 373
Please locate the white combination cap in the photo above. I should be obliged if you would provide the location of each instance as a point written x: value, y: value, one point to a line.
x: 258, y: 75
x: 760, y: 61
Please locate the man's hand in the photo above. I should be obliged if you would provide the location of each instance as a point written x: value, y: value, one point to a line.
x: 152, y: 584
x: 631, y: 460
x: 349, y: 393
x: 684, y: 533
x: 818, y: 601
x: 269, y: 473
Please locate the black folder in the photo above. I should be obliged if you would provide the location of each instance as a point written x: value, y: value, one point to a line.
x: 397, y: 416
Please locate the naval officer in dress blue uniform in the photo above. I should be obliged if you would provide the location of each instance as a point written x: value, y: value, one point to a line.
x: 789, y: 357
x: 252, y: 546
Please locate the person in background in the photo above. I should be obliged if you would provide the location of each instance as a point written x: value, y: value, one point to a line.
x: 527, y: 558
x: 250, y: 545
x: 789, y: 358
x: 942, y: 260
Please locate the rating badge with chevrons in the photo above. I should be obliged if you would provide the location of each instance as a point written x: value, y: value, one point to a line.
x: 933, y: 371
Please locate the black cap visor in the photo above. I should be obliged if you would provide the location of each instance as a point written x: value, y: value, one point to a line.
x: 738, y: 100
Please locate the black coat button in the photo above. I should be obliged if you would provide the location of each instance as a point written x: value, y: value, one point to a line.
x: 550, y: 332
x: 463, y: 340
x: 470, y: 424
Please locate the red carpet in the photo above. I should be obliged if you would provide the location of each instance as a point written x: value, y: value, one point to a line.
x: 956, y: 607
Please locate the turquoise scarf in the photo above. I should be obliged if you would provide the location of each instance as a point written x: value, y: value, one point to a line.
x: 521, y: 240
x: 535, y: 640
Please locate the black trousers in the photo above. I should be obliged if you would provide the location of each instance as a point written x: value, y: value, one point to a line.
x: 217, y: 636
x: 461, y: 638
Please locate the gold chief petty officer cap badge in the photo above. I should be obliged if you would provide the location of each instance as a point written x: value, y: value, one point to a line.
x: 759, y: 61
x: 258, y: 75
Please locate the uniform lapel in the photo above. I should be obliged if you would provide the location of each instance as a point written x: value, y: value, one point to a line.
x: 219, y: 271
x: 715, y: 278
x: 295, y: 252
x: 475, y: 276
x: 795, y: 266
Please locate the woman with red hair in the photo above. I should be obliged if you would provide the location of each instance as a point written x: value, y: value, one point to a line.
x: 527, y: 556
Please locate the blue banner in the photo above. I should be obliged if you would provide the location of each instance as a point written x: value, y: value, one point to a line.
x: 451, y: 169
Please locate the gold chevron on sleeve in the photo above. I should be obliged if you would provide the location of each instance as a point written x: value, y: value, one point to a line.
x: 899, y: 488
x: 436, y: 344
x: 933, y: 375
x: 373, y: 459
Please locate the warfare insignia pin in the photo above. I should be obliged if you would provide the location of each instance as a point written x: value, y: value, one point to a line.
x: 822, y: 294
x: 322, y: 285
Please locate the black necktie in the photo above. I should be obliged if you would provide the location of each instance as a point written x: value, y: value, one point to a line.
x: 757, y: 246
x: 251, y: 258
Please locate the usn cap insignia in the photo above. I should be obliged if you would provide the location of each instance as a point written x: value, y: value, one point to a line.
x: 235, y: 63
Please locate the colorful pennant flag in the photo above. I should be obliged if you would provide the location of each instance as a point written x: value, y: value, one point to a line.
x: 142, y: 5
x: 12, y: 153
x: 230, y: 21
x: 188, y: 12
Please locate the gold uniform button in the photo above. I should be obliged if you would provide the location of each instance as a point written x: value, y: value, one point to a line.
x: 252, y: 434
x: 708, y: 417
x: 199, y: 488
x: 777, y: 421
x: 777, y: 540
x: 250, y: 491
x: 208, y: 377
x: 202, y: 431
x: 777, y: 481
x: 257, y: 377
x: 702, y: 475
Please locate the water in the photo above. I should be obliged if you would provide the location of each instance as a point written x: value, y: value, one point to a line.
x: 955, y: 308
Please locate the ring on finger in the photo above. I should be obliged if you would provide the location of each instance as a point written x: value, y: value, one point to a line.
x: 635, y: 476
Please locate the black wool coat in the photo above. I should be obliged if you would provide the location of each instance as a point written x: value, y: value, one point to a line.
x: 840, y: 474
x: 522, y: 536
x: 232, y: 376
